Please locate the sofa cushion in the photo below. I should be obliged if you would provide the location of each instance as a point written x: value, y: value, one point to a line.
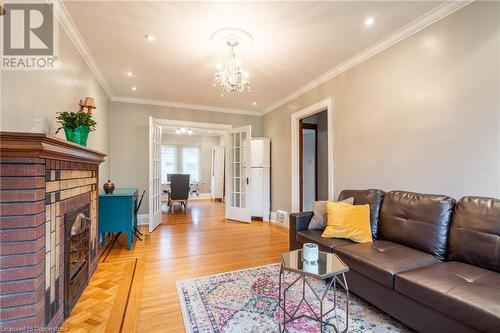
x: 348, y: 222
x: 467, y: 293
x: 318, y: 221
x: 372, y: 197
x: 325, y: 244
x: 475, y: 232
x: 381, y: 260
x: 420, y: 221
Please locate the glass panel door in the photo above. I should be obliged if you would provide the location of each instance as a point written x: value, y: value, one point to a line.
x: 154, y: 174
x: 238, y: 173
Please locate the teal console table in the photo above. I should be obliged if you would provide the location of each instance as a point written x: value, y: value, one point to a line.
x: 117, y: 212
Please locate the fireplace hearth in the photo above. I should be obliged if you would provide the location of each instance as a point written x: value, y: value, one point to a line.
x: 76, y: 255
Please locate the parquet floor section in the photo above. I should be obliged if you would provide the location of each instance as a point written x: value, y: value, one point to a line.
x: 186, y: 245
x: 97, y: 303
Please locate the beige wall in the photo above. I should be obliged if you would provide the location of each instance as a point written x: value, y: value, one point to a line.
x: 30, y: 99
x: 130, y: 138
x: 424, y: 115
x: 206, y: 143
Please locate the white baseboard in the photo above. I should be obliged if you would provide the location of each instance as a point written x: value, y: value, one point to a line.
x: 203, y: 196
x: 142, y: 219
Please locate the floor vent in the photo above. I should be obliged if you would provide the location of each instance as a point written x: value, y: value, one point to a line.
x: 280, y: 217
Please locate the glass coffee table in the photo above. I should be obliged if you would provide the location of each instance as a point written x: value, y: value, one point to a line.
x: 328, y: 266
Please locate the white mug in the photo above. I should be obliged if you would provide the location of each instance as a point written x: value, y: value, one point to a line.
x: 310, y: 252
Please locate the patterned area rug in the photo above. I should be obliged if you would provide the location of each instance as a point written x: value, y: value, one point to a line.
x: 247, y: 301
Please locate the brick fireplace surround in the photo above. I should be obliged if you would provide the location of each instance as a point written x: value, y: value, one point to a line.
x: 42, y: 178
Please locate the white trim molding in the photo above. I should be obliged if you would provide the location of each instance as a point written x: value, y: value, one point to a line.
x: 327, y: 104
x: 413, y: 27
x: 178, y: 105
x: 74, y: 35
x: 194, y: 124
x: 203, y: 196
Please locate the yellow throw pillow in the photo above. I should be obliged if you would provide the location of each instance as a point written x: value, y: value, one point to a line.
x: 348, y: 221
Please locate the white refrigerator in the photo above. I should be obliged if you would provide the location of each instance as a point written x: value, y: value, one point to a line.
x: 261, y: 178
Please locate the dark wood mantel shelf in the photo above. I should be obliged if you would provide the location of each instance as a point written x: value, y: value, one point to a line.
x: 41, y: 145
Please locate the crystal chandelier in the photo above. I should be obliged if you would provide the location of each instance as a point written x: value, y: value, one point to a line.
x: 230, y: 76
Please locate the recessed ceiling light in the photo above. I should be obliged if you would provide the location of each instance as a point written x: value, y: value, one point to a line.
x: 150, y: 38
x: 254, y: 103
x: 130, y: 74
x: 189, y: 131
x: 134, y: 88
x: 369, y: 21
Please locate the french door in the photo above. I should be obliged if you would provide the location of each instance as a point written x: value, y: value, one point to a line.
x: 154, y: 174
x: 238, y: 174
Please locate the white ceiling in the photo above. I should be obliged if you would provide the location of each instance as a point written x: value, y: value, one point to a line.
x: 295, y: 42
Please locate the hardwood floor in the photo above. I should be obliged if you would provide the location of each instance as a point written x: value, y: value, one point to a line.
x: 198, y: 243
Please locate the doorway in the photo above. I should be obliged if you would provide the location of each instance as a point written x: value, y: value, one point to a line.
x: 308, y: 168
x: 181, y: 147
x: 313, y: 159
x: 185, y: 157
x: 312, y: 155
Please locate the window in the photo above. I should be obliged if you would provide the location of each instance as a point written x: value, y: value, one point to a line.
x: 168, y: 161
x: 191, y: 162
x: 180, y: 159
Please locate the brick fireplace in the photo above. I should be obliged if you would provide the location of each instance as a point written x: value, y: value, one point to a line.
x: 44, y: 182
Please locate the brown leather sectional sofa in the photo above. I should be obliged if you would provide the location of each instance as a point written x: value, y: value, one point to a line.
x: 434, y: 263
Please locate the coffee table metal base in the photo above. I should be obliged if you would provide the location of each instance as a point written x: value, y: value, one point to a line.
x: 290, y: 317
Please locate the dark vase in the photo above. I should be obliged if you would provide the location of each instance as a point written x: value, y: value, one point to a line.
x: 109, y: 187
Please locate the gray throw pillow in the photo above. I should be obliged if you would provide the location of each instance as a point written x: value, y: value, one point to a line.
x: 318, y: 221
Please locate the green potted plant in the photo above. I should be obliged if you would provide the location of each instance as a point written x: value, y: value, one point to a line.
x: 76, y: 125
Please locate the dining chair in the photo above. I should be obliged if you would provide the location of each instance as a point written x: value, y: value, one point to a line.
x: 179, y: 191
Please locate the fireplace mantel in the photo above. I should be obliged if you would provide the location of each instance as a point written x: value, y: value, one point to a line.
x: 42, y: 179
x: 41, y: 145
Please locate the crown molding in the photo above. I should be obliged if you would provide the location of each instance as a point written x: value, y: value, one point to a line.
x: 73, y: 33
x: 420, y: 23
x: 178, y: 105
x: 413, y: 27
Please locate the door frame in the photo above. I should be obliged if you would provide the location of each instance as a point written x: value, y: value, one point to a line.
x: 302, y: 127
x: 328, y: 104
x: 192, y: 124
